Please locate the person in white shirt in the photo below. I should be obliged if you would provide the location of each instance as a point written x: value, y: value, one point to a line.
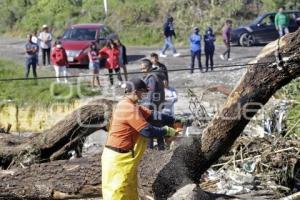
x: 45, y: 38
x: 170, y: 99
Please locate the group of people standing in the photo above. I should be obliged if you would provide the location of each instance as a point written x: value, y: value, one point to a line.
x: 112, y: 56
x: 195, y: 40
x: 195, y: 48
x: 43, y: 42
x: 34, y: 43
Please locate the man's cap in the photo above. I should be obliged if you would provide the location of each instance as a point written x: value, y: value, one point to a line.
x: 196, y: 28
x: 45, y: 26
x: 135, y: 84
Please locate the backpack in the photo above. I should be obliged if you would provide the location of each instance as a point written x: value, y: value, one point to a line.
x: 158, y: 96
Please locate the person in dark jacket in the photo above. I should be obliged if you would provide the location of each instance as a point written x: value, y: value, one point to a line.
x: 158, y: 66
x: 209, y: 48
x: 169, y: 33
x: 155, y: 97
x: 195, y: 45
x: 31, y: 56
x: 226, y: 39
x: 123, y: 61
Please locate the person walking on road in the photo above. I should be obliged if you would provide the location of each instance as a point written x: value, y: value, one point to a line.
x: 226, y: 39
x: 169, y: 33
x: 160, y: 67
x: 209, y: 48
x: 31, y: 56
x: 94, y: 64
x: 111, y: 53
x: 282, y: 22
x: 45, y: 38
x: 195, y: 45
x: 123, y: 61
x: 127, y: 140
x: 60, y: 61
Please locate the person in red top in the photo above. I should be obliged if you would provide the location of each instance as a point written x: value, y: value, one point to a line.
x: 127, y: 140
x: 60, y: 61
x: 111, y: 53
x: 94, y: 64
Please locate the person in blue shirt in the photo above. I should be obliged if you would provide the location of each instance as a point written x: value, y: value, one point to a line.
x: 209, y: 48
x: 195, y: 43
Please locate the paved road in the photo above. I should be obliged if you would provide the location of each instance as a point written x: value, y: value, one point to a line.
x: 13, y: 49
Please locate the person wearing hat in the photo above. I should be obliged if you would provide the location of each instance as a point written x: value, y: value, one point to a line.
x: 127, y: 140
x: 45, y: 44
x: 195, y: 46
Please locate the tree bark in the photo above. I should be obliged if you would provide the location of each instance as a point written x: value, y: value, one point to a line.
x: 56, y: 142
x: 161, y: 174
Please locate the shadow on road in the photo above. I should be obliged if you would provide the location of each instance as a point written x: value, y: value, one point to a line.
x: 133, y: 58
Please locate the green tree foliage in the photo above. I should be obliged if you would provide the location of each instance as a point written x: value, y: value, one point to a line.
x: 137, y: 21
x: 274, y: 4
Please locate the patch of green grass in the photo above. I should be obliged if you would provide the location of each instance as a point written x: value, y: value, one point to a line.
x: 292, y: 92
x: 36, y: 92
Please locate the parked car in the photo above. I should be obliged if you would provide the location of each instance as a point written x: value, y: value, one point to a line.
x: 262, y: 30
x: 77, y: 38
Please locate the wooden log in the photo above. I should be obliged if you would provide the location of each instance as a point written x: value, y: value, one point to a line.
x: 56, y: 142
x: 64, y: 179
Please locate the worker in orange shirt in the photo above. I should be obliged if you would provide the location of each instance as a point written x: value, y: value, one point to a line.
x: 127, y: 140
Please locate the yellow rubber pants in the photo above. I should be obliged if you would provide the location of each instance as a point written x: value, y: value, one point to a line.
x: 119, y: 172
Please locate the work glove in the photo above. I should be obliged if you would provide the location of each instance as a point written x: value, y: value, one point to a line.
x: 170, y: 132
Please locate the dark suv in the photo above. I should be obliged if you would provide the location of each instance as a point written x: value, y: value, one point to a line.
x: 262, y: 29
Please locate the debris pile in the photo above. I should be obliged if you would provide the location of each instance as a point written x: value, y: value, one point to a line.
x: 269, y: 163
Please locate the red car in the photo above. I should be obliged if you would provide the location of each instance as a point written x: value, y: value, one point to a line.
x: 77, y: 38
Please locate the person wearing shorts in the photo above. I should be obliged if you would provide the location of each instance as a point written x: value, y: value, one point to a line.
x: 94, y: 65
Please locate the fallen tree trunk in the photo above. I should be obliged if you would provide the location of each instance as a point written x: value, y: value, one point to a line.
x: 161, y: 174
x: 56, y: 142
x: 64, y: 179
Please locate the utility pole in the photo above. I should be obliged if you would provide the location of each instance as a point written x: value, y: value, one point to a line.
x: 105, y: 7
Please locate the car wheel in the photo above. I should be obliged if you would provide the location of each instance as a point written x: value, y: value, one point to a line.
x: 247, y: 40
